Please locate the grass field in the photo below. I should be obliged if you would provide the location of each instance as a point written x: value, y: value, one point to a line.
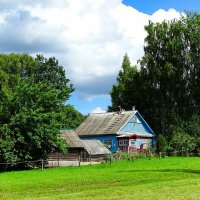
x: 168, y: 178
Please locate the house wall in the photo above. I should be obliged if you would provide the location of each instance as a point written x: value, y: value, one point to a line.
x: 133, y: 145
x: 137, y: 125
x: 102, y: 138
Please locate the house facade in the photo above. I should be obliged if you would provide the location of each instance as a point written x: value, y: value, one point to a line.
x: 124, y: 131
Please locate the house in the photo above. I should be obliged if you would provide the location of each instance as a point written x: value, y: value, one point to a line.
x: 124, y: 131
x: 78, y: 151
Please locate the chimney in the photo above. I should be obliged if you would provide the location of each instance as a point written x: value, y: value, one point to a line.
x: 133, y: 107
x: 120, y: 109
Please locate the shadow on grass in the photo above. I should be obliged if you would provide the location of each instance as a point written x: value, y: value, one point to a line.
x: 191, y: 171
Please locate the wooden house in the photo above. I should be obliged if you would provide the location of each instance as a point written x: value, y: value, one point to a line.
x: 124, y: 131
x: 78, y: 151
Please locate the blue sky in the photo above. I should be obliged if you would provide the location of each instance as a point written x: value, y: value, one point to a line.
x: 88, y: 37
x: 150, y: 6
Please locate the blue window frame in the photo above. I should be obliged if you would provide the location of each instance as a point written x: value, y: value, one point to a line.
x: 108, y: 143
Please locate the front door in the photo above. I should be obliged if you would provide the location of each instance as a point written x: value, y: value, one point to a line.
x: 123, y: 144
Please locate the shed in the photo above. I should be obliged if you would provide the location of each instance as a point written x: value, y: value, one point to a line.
x: 74, y: 151
x: 77, y: 151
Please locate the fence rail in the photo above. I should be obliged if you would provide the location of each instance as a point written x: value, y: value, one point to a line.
x: 13, y: 163
x: 24, y: 162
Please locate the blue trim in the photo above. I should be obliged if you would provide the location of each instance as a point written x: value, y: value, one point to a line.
x: 147, y: 127
x: 101, y: 138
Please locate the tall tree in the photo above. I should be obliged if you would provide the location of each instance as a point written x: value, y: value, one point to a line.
x: 167, y: 86
x: 171, y: 66
x: 32, y: 107
x: 125, y: 86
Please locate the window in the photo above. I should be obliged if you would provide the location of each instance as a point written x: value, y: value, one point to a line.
x: 108, y: 143
x: 135, y: 120
x: 133, y: 142
x: 123, y: 142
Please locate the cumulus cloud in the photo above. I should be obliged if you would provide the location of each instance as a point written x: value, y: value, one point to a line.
x: 88, y: 37
x: 98, y: 110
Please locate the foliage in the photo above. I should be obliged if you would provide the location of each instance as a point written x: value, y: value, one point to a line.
x: 32, y: 109
x: 121, y: 91
x: 169, y: 178
x: 166, y: 86
x: 182, y: 143
x: 161, y: 144
x: 186, y: 137
x: 70, y: 118
x: 131, y: 155
x: 170, y: 68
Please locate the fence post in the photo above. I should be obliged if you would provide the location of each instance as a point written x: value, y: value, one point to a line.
x: 79, y: 160
x: 160, y: 155
x: 58, y: 158
x: 42, y: 164
x: 182, y: 150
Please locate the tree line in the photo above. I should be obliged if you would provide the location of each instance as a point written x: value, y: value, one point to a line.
x: 165, y: 84
x: 33, y: 108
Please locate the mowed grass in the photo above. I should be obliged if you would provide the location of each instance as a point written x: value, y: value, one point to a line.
x: 167, y: 178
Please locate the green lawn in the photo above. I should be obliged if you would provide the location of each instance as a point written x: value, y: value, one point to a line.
x: 168, y: 178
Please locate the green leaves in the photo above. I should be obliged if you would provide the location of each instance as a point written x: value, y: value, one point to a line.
x: 32, y: 107
x: 124, y: 87
x: 182, y: 142
x: 166, y: 86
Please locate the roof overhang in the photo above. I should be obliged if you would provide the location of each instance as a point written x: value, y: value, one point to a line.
x: 135, y: 136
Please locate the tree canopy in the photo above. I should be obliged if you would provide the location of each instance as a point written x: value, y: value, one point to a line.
x: 120, y: 94
x: 166, y: 86
x: 32, y: 108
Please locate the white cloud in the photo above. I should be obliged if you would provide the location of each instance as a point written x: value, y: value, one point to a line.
x: 98, y: 110
x: 162, y: 15
x: 89, y: 37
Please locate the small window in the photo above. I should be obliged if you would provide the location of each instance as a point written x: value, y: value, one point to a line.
x: 133, y: 142
x: 108, y: 143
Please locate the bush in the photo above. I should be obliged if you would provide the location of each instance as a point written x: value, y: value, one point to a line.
x: 161, y: 145
x: 183, y: 144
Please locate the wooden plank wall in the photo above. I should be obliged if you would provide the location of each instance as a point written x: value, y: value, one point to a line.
x: 75, y: 155
x: 72, y: 155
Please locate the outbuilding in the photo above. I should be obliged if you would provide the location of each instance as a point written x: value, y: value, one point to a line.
x: 78, y: 151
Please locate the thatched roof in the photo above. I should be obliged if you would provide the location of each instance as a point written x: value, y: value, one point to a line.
x: 104, y: 123
x: 95, y: 147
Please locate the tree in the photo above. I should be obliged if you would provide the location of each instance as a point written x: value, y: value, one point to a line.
x: 124, y: 87
x: 182, y: 143
x: 167, y: 84
x: 53, y: 74
x: 32, y: 107
x: 188, y: 132
x: 170, y: 65
x: 161, y: 144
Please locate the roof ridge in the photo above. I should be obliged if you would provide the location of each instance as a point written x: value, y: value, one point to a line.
x: 115, y: 112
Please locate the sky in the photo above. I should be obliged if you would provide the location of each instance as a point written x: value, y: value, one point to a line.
x: 88, y: 37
